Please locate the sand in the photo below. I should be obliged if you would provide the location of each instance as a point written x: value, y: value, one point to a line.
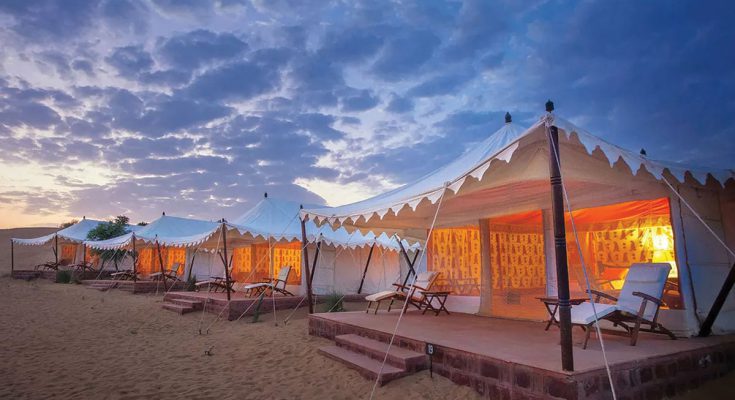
x: 65, y: 341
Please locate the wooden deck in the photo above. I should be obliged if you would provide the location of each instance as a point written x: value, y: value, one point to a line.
x: 515, y: 359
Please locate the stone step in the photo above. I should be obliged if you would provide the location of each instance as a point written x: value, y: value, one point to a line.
x: 177, y: 308
x: 398, y: 357
x: 195, y: 304
x: 366, y: 366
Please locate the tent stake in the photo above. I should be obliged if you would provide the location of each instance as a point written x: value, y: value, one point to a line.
x: 706, y: 328
x: 560, y: 246
x: 227, y: 270
x: 160, y: 263
x: 313, y: 264
x: 367, y: 264
x: 305, y: 263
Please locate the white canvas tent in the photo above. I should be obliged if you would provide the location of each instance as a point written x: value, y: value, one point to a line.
x: 272, y: 224
x: 69, y: 238
x: 178, y: 238
x: 342, y: 255
x: 505, y: 178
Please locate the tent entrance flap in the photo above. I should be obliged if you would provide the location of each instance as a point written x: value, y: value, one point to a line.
x: 251, y: 263
x: 517, y: 266
x: 455, y: 254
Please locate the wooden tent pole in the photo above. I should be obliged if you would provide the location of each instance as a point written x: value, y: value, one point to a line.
x: 367, y: 264
x: 305, y: 263
x: 135, y: 261
x: 227, y: 269
x: 313, y: 264
x: 560, y: 246
x: 160, y: 263
x: 56, y: 249
x: 706, y: 327
x: 191, y: 265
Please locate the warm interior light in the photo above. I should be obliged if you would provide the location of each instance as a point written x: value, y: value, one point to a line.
x: 662, y: 241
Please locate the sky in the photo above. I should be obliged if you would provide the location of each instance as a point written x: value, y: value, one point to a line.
x: 197, y: 108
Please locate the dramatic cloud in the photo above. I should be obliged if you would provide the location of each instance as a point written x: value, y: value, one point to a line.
x: 196, y: 108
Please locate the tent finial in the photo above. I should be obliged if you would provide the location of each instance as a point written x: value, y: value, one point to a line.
x: 508, y: 118
x: 163, y: 213
x: 265, y: 195
x: 84, y: 217
x: 643, y: 152
x: 301, y: 206
x: 549, y: 106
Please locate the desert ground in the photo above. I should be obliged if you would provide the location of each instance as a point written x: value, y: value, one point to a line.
x: 66, y: 341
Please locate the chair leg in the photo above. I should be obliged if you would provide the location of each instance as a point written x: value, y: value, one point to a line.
x: 587, y: 332
x: 367, y: 310
x: 390, y: 304
x: 634, y: 333
x: 377, y: 306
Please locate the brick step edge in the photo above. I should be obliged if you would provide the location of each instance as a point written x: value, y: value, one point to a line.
x: 398, y: 357
x: 364, y: 365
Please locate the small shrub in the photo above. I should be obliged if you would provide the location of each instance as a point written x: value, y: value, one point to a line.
x: 334, y: 302
x: 63, y: 276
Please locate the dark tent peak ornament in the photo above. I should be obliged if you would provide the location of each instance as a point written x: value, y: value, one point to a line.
x: 508, y: 118
x: 643, y: 152
x: 549, y: 106
x: 265, y: 195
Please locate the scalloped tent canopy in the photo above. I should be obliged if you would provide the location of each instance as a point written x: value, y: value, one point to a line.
x: 76, y: 233
x: 167, y: 230
x: 508, y: 172
x: 278, y: 219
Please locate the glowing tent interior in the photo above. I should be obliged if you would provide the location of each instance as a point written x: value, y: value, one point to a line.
x: 490, y: 222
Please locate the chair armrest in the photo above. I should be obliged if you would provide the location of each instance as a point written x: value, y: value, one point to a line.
x: 648, y: 297
x: 401, y: 286
x: 602, y: 294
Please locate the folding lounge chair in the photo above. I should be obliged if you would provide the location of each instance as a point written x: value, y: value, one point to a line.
x: 215, y: 284
x: 172, y: 273
x: 52, y: 265
x: 638, y: 304
x: 274, y: 285
x: 48, y: 265
x: 83, y: 267
x: 125, y: 275
x: 424, y: 282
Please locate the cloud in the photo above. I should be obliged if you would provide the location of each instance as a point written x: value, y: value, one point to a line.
x: 130, y: 61
x: 200, y: 47
x: 400, y: 105
x: 362, y: 100
x: 405, y: 53
x: 239, y: 81
x: 440, y: 85
x: 49, y: 19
